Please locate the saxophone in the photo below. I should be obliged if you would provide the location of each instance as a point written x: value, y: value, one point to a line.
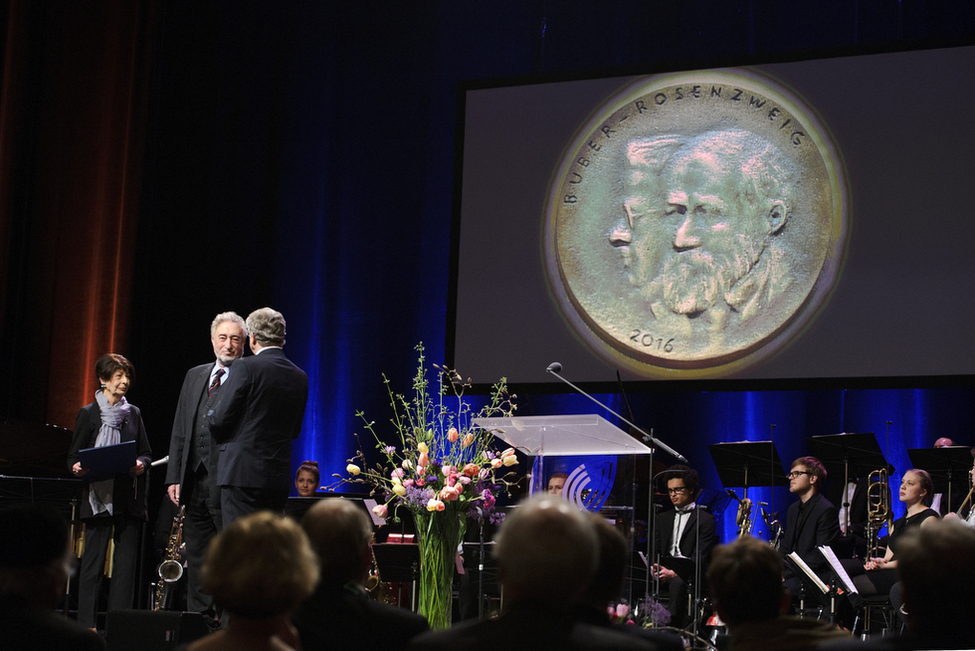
x: 171, y: 568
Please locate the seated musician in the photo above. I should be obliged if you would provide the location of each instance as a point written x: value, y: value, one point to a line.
x: 966, y: 512
x: 683, y: 537
x: 811, y: 522
x: 916, y: 492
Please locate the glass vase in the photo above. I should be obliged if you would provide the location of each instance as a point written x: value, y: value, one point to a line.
x: 439, y: 534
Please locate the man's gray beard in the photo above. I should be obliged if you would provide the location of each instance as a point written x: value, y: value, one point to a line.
x: 227, y: 361
x: 693, y: 282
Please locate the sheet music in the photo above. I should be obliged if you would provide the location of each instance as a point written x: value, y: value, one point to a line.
x: 841, y: 573
x: 801, y: 564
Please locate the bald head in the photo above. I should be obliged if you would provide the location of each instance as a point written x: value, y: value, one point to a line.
x: 546, y: 550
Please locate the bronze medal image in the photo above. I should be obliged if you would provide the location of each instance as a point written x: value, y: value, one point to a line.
x: 695, y: 224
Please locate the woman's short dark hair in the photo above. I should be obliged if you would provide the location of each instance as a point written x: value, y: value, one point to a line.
x: 108, y: 363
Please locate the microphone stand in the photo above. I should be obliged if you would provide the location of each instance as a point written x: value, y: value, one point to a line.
x: 648, y: 439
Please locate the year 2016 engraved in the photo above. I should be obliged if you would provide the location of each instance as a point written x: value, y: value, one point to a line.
x: 648, y: 340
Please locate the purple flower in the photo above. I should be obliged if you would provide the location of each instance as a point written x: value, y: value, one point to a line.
x: 389, y: 449
x: 417, y: 498
x: 489, y: 500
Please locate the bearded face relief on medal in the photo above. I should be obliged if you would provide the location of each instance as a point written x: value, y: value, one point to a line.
x: 695, y: 224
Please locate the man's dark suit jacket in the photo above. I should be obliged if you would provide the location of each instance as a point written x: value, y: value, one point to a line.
x: 257, y: 416
x: 190, y: 395
x: 821, y: 526
x: 687, y: 543
x: 529, y: 626
x: 345, y: 618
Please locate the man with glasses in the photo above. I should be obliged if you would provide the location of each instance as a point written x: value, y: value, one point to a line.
x: 810, y: 522
x: 682, y: 536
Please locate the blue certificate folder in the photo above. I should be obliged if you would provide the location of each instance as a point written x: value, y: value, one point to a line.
x: 107, y: 461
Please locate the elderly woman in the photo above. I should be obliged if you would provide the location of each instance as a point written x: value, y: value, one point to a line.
x: 258, y: 570
x: 113, y: 508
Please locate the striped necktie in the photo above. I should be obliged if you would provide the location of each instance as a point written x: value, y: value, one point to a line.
x: 216, y: 382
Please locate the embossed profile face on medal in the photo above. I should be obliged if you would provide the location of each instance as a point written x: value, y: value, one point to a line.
x: 725, y: 219
x: 758, y: 222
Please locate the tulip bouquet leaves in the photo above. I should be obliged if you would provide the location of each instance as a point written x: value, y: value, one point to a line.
x: 435, y: 458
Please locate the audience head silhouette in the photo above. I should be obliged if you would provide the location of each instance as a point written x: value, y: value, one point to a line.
x: 746, y: 582
x: 937, y: 568
x: 34, y: 554
x: 546, y: 550
x: 260, y: 566
x: 340, y: 533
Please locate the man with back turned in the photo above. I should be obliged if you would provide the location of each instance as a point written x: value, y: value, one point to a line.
x: 257, y: 417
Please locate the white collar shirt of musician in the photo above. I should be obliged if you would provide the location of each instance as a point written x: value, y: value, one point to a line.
x: 680, y: 523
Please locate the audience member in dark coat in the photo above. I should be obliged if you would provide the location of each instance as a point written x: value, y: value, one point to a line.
x: 746, y: 586
x: 547, y: 554
x: 339, y: 615
x: 936, y: 564
x: 606, y: 588
x: 34, y: 564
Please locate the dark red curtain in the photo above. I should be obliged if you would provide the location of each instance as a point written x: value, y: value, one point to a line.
x: 72, y: 123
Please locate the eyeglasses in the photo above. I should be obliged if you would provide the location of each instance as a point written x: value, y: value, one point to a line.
x: 796, y: 473
x: 679, y: 489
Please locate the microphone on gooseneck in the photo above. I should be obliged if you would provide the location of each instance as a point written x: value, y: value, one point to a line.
x: 554, y: 369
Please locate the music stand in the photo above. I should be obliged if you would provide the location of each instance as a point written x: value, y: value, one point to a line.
x: 856, y: 452
x: 748, y: 463
x: 945, y: 465
x: 398, y: 563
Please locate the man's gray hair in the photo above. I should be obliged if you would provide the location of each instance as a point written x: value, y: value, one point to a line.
x: 547, y: 549
x: 233, y: 317
x: 267, y: 326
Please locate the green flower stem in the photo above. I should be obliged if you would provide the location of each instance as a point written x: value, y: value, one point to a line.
x: 439, y: 535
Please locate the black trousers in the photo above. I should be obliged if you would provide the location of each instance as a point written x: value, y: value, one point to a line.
x: 238, y: 501
x: 125, y: 561
x: 201, y: 523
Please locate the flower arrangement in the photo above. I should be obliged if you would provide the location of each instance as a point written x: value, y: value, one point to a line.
x: 652, y: 613
x: 442, y: 462
x: 440, y: 467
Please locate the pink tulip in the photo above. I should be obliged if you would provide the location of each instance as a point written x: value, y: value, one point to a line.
x: 496, y: 463
x: 468, y: 440
x: 452, y: 435
x: 380, y: 510
x: 423, y: 460
x: 471, y: 469
x: 507, y: 453
x: 398, y: 473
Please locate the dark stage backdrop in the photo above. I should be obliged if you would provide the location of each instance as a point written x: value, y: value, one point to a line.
x: 163, y: 162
